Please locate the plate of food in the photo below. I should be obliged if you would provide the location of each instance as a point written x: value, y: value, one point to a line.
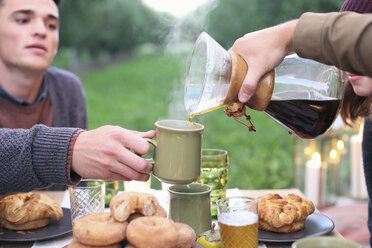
x: 52, y: 230
x: 289, y: 218
x: 316, y: 224
x: 32, y: 216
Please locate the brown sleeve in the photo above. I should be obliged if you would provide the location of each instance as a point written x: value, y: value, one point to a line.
x: 340, y: 39
x: 72, y: 176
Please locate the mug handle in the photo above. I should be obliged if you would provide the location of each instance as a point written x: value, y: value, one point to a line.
x: 154, y: 144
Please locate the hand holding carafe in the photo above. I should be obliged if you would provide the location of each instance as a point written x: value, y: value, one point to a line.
x: 263, y: 51
x: 302, y: 95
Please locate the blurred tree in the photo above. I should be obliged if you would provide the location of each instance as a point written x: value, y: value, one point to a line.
x: 97, y: 27
x: 232, y: 19
x: 110, y: 26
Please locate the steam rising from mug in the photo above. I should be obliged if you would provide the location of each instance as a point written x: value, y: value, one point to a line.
x: 179, y: 43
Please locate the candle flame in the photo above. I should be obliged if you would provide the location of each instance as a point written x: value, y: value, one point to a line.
x: 340, y: 145
x: 315, y: 161
x: 333, y: 154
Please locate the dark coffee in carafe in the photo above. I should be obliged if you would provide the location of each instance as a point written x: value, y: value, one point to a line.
x: 305, y: 118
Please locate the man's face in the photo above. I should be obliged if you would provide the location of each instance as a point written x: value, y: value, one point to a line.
x: 28, y: 33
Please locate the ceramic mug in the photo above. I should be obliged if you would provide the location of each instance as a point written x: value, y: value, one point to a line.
x: 177, y: 153
x: 190, y: 204
x: 325, y: 242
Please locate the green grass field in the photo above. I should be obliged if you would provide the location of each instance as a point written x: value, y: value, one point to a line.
x: 138, y: 92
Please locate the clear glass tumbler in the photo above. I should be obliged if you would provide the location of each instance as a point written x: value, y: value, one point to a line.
x: 214, y: 173
x: 238, y: 222
x: 86, y: 198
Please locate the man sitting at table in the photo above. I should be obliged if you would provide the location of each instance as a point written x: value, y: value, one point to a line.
x: 31, y: 91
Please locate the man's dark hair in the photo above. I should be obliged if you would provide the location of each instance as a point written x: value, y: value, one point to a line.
x: 57, y: 2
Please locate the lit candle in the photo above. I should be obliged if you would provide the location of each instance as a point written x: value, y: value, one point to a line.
x: 358, y: 186
x: 312, y: 178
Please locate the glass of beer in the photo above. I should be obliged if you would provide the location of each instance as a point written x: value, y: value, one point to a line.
x: 238, y: 222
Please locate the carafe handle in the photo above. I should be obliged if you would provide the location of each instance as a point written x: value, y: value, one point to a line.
x: 261, y: 97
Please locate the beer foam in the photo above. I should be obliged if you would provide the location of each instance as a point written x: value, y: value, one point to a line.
x: 240, y: 218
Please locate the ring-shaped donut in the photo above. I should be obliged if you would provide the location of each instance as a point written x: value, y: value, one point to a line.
x: 152, y: 231
x: 129, y: 202
x: 186, y: 236
x: 76, y: 244
x: 99, y: 229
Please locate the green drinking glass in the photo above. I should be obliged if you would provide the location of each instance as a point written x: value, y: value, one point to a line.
x: 214, y: 173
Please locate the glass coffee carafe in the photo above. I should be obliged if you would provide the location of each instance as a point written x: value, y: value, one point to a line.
x: 302, y: 95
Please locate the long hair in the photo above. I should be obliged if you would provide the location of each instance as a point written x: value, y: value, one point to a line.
x: 354, y: 106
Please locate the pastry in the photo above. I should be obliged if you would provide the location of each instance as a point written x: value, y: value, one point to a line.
x: 24, y: 211
x: 283, y: 213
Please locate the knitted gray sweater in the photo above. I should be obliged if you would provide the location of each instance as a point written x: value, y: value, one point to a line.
x: 37, y: 157
x: 33, y: 158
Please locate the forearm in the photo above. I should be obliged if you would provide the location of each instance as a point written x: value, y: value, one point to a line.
x: 331, y: 39
x: 33, y: 158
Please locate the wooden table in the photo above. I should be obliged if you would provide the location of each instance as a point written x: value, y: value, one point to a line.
x: 58, y: 197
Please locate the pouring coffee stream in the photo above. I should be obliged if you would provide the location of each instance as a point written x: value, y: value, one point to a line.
x: 302, y: 95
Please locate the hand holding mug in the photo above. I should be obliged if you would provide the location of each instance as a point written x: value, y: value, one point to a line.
x: 105, y: 153
x: 177, y: 153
